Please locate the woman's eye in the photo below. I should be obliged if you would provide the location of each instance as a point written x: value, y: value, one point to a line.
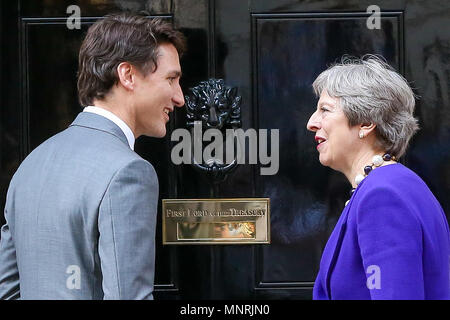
x: 324, y: 109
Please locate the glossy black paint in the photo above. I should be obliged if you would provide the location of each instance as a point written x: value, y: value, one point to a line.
x: 283, y: 99
x: 271, y: 50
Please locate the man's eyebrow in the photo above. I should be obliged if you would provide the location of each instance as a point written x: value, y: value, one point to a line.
x: 175, y: 73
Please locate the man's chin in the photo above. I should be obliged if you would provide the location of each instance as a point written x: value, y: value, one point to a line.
x: 156, y: 133
x: 159, y: 135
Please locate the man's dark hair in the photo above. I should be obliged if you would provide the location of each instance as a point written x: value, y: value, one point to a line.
x: 118, y: 38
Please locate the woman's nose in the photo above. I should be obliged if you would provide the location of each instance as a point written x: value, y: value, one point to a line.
x: 313, y: 123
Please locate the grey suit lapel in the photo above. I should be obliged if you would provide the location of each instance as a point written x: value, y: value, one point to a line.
x: 97, y: 122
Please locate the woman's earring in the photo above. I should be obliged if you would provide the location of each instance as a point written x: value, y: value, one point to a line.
x: 361, y: 134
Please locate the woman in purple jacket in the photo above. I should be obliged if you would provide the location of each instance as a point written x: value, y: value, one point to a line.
x: 392, y: 239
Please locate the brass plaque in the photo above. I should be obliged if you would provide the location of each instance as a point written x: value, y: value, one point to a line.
x: 216, y: 221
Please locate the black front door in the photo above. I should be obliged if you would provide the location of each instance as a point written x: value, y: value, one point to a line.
x: 271, y: 51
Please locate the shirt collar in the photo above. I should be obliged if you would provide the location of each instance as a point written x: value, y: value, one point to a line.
x: 119, y: 122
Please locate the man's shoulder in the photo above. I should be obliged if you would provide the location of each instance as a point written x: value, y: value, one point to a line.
x: 89, y: 152
x: 138, y: 169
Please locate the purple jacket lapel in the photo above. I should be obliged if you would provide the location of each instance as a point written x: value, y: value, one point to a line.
x: 333, y: 247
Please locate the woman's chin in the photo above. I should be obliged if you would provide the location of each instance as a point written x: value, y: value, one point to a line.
x: 327, y: 162
x: 323, y: 161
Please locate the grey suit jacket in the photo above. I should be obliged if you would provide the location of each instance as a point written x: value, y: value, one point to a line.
x: 80, y: 218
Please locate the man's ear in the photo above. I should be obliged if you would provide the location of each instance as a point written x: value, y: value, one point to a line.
x: 125, y: 72
x: 367, y: 128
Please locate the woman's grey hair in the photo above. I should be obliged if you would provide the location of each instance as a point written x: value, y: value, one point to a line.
x: 371, y: 91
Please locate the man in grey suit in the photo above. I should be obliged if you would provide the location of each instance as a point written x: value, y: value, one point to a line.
x: 81, y: 209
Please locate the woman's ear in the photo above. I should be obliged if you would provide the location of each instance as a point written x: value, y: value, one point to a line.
x: 366, y: 128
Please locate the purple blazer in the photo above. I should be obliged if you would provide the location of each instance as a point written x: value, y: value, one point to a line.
x: 392, y: 241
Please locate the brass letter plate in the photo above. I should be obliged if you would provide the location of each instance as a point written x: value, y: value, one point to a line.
x: 216, y: 221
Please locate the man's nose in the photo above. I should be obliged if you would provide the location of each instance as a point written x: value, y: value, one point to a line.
x: 313, y: 123
x: 178, y: 98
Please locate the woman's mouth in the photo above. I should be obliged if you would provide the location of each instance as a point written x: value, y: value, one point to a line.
x: 320, y: 145
x: 321, y: 141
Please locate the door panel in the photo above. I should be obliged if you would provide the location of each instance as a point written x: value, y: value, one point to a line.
x: 284, y: 68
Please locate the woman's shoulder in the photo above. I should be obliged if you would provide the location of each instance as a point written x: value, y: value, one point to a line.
x: 394, y: 177
x: 396, y: 186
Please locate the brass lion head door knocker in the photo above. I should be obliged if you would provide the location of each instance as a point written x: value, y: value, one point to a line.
x: 213, y: 107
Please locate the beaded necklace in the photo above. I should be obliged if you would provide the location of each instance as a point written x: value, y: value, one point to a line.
x: 377, y: 161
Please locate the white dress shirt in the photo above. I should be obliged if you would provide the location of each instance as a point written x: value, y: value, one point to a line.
x: 111, y: 116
